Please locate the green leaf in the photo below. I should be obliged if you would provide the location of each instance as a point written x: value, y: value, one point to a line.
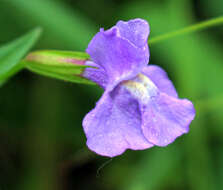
x: 64, y: 26
x: 62, y: 65
x: 13, y: 52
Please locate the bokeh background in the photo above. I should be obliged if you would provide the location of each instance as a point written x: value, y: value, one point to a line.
x: 42, y: 144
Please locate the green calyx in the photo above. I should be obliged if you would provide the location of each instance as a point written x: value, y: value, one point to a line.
x: 63, y: 65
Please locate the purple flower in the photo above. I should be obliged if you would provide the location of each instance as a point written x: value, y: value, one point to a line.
x: 140, y: 107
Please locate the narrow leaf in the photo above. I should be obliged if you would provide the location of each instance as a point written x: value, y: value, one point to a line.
x: 13, y: 52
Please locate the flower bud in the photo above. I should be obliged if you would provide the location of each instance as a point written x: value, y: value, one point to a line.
x: 63, y: 65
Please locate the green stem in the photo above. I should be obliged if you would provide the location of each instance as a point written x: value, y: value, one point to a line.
x: 189, y: 29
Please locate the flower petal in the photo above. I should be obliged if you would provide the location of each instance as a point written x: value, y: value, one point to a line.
x: 165, y: 118
x: 97, y: 74
x: 120, y: 57
x: 160, y: 79
x: 114, y: 125
x: 136, y: 31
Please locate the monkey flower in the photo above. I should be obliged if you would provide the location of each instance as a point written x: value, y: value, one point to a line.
x: 140, y: 107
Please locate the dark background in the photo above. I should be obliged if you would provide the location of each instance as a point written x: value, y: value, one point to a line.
x: 42, y: 144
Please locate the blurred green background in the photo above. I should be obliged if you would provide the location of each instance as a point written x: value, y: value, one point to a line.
x: 42, y: 144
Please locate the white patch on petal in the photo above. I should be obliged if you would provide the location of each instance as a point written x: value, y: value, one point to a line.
x: 141, y: 87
